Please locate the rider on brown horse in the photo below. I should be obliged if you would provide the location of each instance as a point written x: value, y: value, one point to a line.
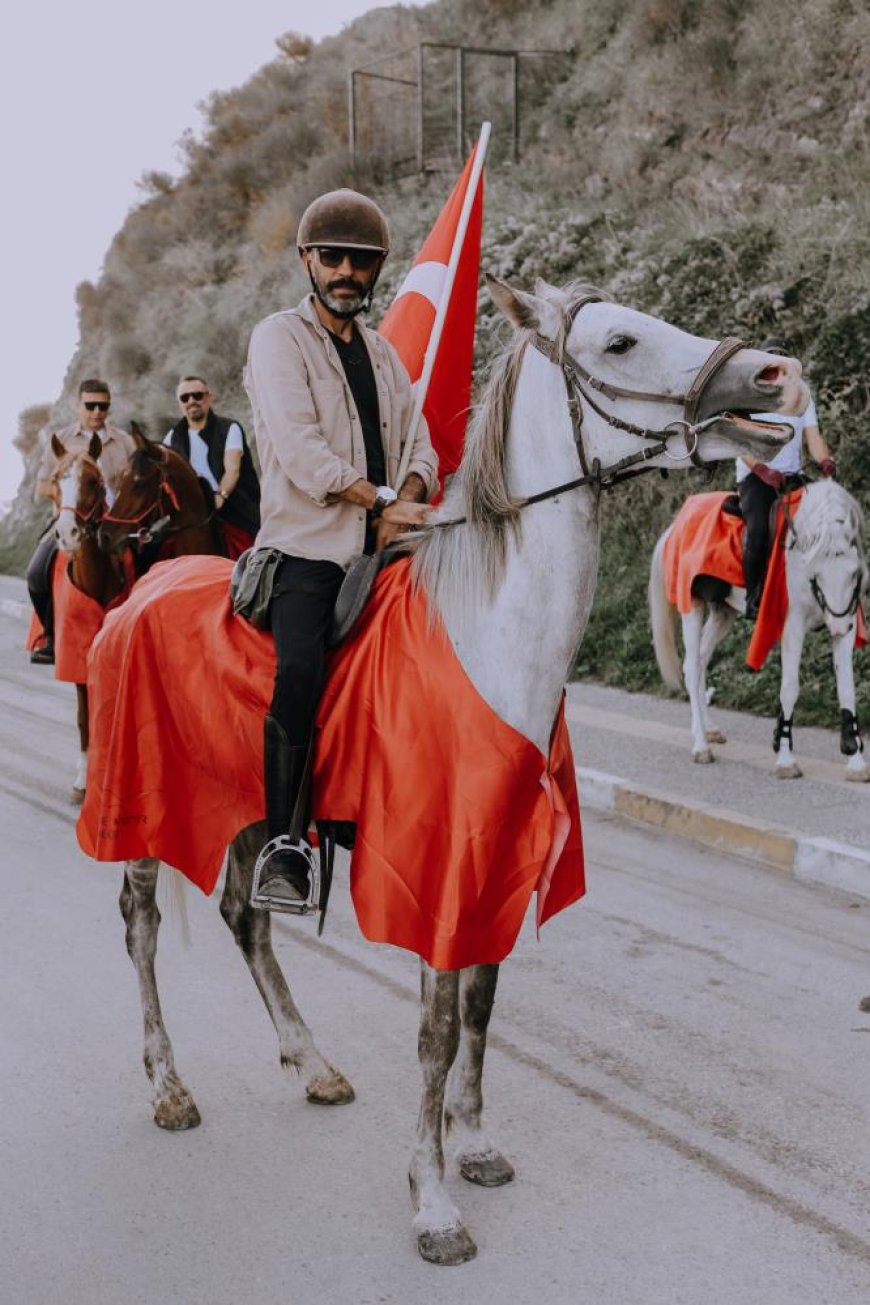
x: 116, y: 449
x: 332, y: 408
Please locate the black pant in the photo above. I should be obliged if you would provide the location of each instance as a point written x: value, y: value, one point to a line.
x: 303, y: 600
x: 756, y: 500
x: 38, y: 578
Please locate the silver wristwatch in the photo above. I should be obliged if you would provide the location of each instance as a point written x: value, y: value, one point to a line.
x: 384, y: 496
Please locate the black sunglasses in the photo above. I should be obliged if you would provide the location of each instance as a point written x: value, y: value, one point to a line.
x: 196, y: 395
x: 362, y: 259
x: 96, y: 405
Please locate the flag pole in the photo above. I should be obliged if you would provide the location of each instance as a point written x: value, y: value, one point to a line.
x: 444, y: 301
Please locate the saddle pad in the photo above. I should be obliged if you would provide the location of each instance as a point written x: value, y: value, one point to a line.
x: 459, y: 817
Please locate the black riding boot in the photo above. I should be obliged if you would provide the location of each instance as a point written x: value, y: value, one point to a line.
x: 754, y: 568
x: 286, y: 875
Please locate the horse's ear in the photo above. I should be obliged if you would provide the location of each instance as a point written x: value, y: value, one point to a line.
x: 527, y: 311
x: 95, y: 447
x: 57, y: 447
x: 138, y: 438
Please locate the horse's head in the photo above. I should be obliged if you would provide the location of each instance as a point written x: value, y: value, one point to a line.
x: 642, y: 383
x: 158, y: 488
x: 80, y: 493
x: 826, y: 566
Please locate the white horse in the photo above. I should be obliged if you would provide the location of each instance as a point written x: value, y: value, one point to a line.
x: 826, y: 577
x: 585, y: 392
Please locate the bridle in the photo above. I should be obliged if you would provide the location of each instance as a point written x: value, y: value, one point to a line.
x: 90, y: 521
x: 578, y: 382
x: 827, y: 610
x: 160, y: 510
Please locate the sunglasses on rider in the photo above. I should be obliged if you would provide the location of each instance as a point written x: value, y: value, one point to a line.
x: 195, y: 396
x: 97, y: 405
x: 363, y: 260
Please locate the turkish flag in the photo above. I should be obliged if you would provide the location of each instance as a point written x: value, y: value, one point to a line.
x: 408, y: 322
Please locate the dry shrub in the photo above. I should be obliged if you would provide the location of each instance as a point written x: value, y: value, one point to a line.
x: 273, y: 225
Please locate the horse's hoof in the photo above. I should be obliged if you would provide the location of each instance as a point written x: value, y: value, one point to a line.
x: 330, y: 1090
x: 77, y: 796
x: 703, y: 758
x: 490, y: 1169
x: 789, y: 772
x: 446, y: 1246
x: 177, y: 1113
x: 858, y: 776
x: 715, y: 736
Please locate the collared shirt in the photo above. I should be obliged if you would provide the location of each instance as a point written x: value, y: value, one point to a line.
x: 309, y: 434
x: 117, y: 449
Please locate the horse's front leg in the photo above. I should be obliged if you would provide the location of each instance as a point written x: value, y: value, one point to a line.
x: 252, y: 930
x: 783, y: 742
x: 851, y: 743
x: 441, y: 1235
x: 478, y: 1159
x: 693, y: 623
x: 81, y: 779
x: 716, y: 627
x: 174, y: 1107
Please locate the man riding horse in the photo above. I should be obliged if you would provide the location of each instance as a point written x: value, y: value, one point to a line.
x: 332, y: 406
x: 218, y: 451
x: 117, y: 447
x: 758, y: 484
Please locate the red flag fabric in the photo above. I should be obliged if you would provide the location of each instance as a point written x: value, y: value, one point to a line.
x: 408, y: 322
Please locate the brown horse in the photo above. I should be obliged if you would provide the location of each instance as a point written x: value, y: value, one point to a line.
x: 162, y: 508
x: 81, y: 502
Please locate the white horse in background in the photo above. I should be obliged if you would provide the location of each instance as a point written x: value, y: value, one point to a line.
x: 585, y: 392
x: 826, y: 578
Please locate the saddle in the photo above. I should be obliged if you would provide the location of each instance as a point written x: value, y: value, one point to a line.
x: 253, y: 580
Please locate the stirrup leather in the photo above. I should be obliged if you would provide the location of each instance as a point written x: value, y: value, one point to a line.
x: 264, y: 901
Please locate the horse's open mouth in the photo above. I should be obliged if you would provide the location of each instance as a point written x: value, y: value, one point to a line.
x: 745, y: 422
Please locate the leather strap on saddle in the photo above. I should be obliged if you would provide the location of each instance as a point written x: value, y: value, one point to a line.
x: 356, y: 589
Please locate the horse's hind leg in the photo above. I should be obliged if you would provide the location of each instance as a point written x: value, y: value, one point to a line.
x: 252, y: 930
x: 716, y: 627
x: 174, y: 1107
x: 693, y: 622
x: 80, y: 781
x: 441, y: 1235
x: 478, y: 1159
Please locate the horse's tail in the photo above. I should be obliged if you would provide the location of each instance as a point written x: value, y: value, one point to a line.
x: 663, y: 620
x: 173, y: 899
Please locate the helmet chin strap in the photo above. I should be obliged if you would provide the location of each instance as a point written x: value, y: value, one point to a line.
x: 343, y: 314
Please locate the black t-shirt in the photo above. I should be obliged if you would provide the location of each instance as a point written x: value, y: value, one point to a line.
x: 361, y: 378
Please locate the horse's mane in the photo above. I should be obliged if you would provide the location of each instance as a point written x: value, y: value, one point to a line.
x: 461, y: 566
x: 828, y: 519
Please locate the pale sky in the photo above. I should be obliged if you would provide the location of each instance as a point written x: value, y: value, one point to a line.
x: 93, y: 94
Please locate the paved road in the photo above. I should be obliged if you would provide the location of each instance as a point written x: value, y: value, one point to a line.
x: 679, y: 1069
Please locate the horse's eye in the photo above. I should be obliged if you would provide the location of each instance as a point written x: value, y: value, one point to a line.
x: 620, y: 344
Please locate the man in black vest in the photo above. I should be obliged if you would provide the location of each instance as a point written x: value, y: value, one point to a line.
x: 218, y: 451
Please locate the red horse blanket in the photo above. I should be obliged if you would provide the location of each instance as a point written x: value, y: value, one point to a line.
x: 704, y: 540
x: 77, y: 618
x: 459, y: 817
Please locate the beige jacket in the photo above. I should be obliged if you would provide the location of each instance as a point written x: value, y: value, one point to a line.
x: 309, y: 436
x: 118, y: 447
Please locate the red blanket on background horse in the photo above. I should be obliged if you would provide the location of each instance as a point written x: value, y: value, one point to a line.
x: 77, y: 619
x: 459, y: 818
x: 704, y: 540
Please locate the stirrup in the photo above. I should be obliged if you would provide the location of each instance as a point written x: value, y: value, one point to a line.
x: 265, y: 901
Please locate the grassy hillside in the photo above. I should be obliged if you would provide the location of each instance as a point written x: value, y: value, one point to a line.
x: 706, y: 160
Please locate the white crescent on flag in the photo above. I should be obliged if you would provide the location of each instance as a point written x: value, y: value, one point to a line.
x: 426, y: 279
